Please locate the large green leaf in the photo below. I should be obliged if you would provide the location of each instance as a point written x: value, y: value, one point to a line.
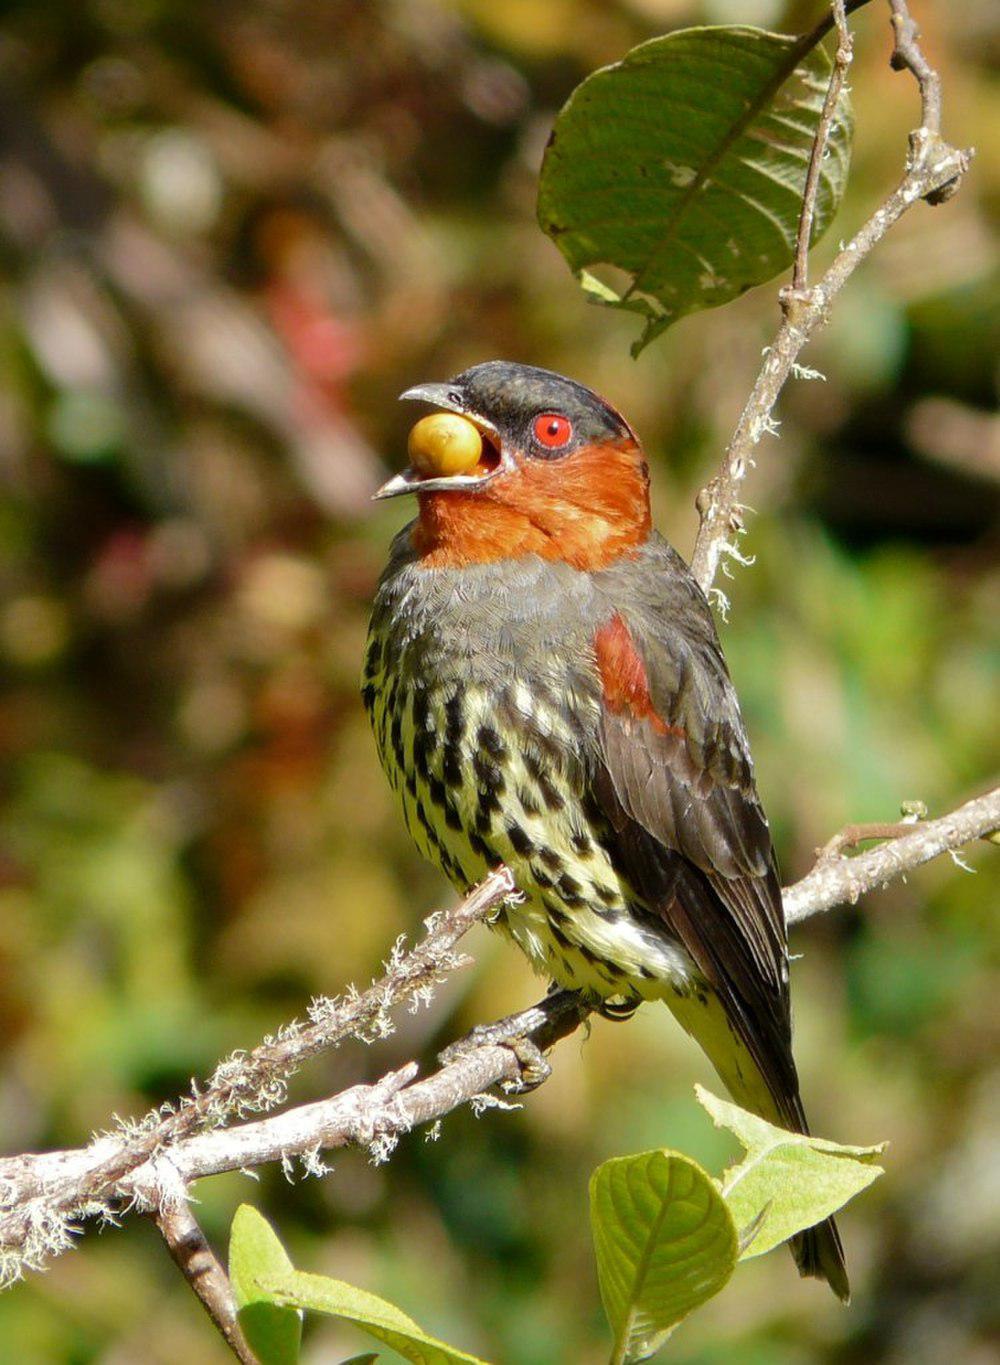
x: 378, y: 1317
x: 683, y: 165
x: 786, y: 1181
x: 665, y: 1242
x: 274, y: 1332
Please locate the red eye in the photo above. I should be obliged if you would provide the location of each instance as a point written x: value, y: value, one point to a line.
x: 552, y: 431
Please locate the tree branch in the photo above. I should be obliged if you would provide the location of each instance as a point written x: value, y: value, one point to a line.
x: 37, y: 1204
x: 933, y: 171
x: 199, y: 1265
x: 41, y: 1194
x: 836, y: 880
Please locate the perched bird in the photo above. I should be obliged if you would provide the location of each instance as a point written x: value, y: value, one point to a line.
x: 547, y: 690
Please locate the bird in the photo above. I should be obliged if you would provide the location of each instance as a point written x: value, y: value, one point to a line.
x: 547, y: 691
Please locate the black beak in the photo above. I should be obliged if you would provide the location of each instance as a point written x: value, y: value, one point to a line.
x: 444, y: 396
x: 448, y: 398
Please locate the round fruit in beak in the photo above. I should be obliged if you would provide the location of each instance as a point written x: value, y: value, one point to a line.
x: 444, y: 444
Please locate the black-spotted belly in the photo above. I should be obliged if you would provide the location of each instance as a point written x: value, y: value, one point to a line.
x: 485, y: 778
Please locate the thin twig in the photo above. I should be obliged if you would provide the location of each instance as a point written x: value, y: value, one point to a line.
x: 838, y: 74
x: 933, y: 171
x: 864, y: 832
x: 907, y: 56
x: 842, y: 881
x: 199, y: 1265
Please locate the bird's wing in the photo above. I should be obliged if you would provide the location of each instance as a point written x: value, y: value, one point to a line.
x: 674, y: 780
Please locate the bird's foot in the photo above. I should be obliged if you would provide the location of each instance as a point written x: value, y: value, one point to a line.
x: 509, y: 1033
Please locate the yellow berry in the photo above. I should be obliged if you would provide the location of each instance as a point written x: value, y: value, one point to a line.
x: 444, y: 444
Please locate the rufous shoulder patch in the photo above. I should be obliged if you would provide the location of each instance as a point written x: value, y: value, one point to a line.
x: 624, y: 680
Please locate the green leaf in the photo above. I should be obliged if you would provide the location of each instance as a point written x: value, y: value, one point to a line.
x: 274, y: 1332
x: 786, y: 1182
x: 380, y: 1318
x: 665, y: 1242
x: 683, y: 165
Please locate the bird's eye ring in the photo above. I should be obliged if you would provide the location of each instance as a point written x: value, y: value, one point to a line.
x: 552, y: 430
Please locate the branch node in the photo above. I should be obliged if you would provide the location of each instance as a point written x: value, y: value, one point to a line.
x: 796, y: 302
x: 931, y: 158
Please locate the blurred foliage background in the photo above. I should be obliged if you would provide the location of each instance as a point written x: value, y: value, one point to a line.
x: 230, y: 235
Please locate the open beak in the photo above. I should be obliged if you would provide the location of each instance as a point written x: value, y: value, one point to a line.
x: 449, y: 399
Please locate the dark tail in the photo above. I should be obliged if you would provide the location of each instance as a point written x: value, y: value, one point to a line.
x: 818, y: 1252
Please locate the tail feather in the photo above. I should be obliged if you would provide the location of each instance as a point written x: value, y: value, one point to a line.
x: 818, y: 1251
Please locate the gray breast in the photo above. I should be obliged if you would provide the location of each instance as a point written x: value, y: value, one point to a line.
x: 489, y: 623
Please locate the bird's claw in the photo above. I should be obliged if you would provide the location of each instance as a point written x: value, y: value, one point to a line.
x: 617, y: 1010
x: 534, y: 1068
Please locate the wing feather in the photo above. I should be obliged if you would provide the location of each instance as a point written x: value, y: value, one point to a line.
x: 675, y: 781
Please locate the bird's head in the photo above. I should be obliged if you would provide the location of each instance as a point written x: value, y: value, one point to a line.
x: 560, y: 473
